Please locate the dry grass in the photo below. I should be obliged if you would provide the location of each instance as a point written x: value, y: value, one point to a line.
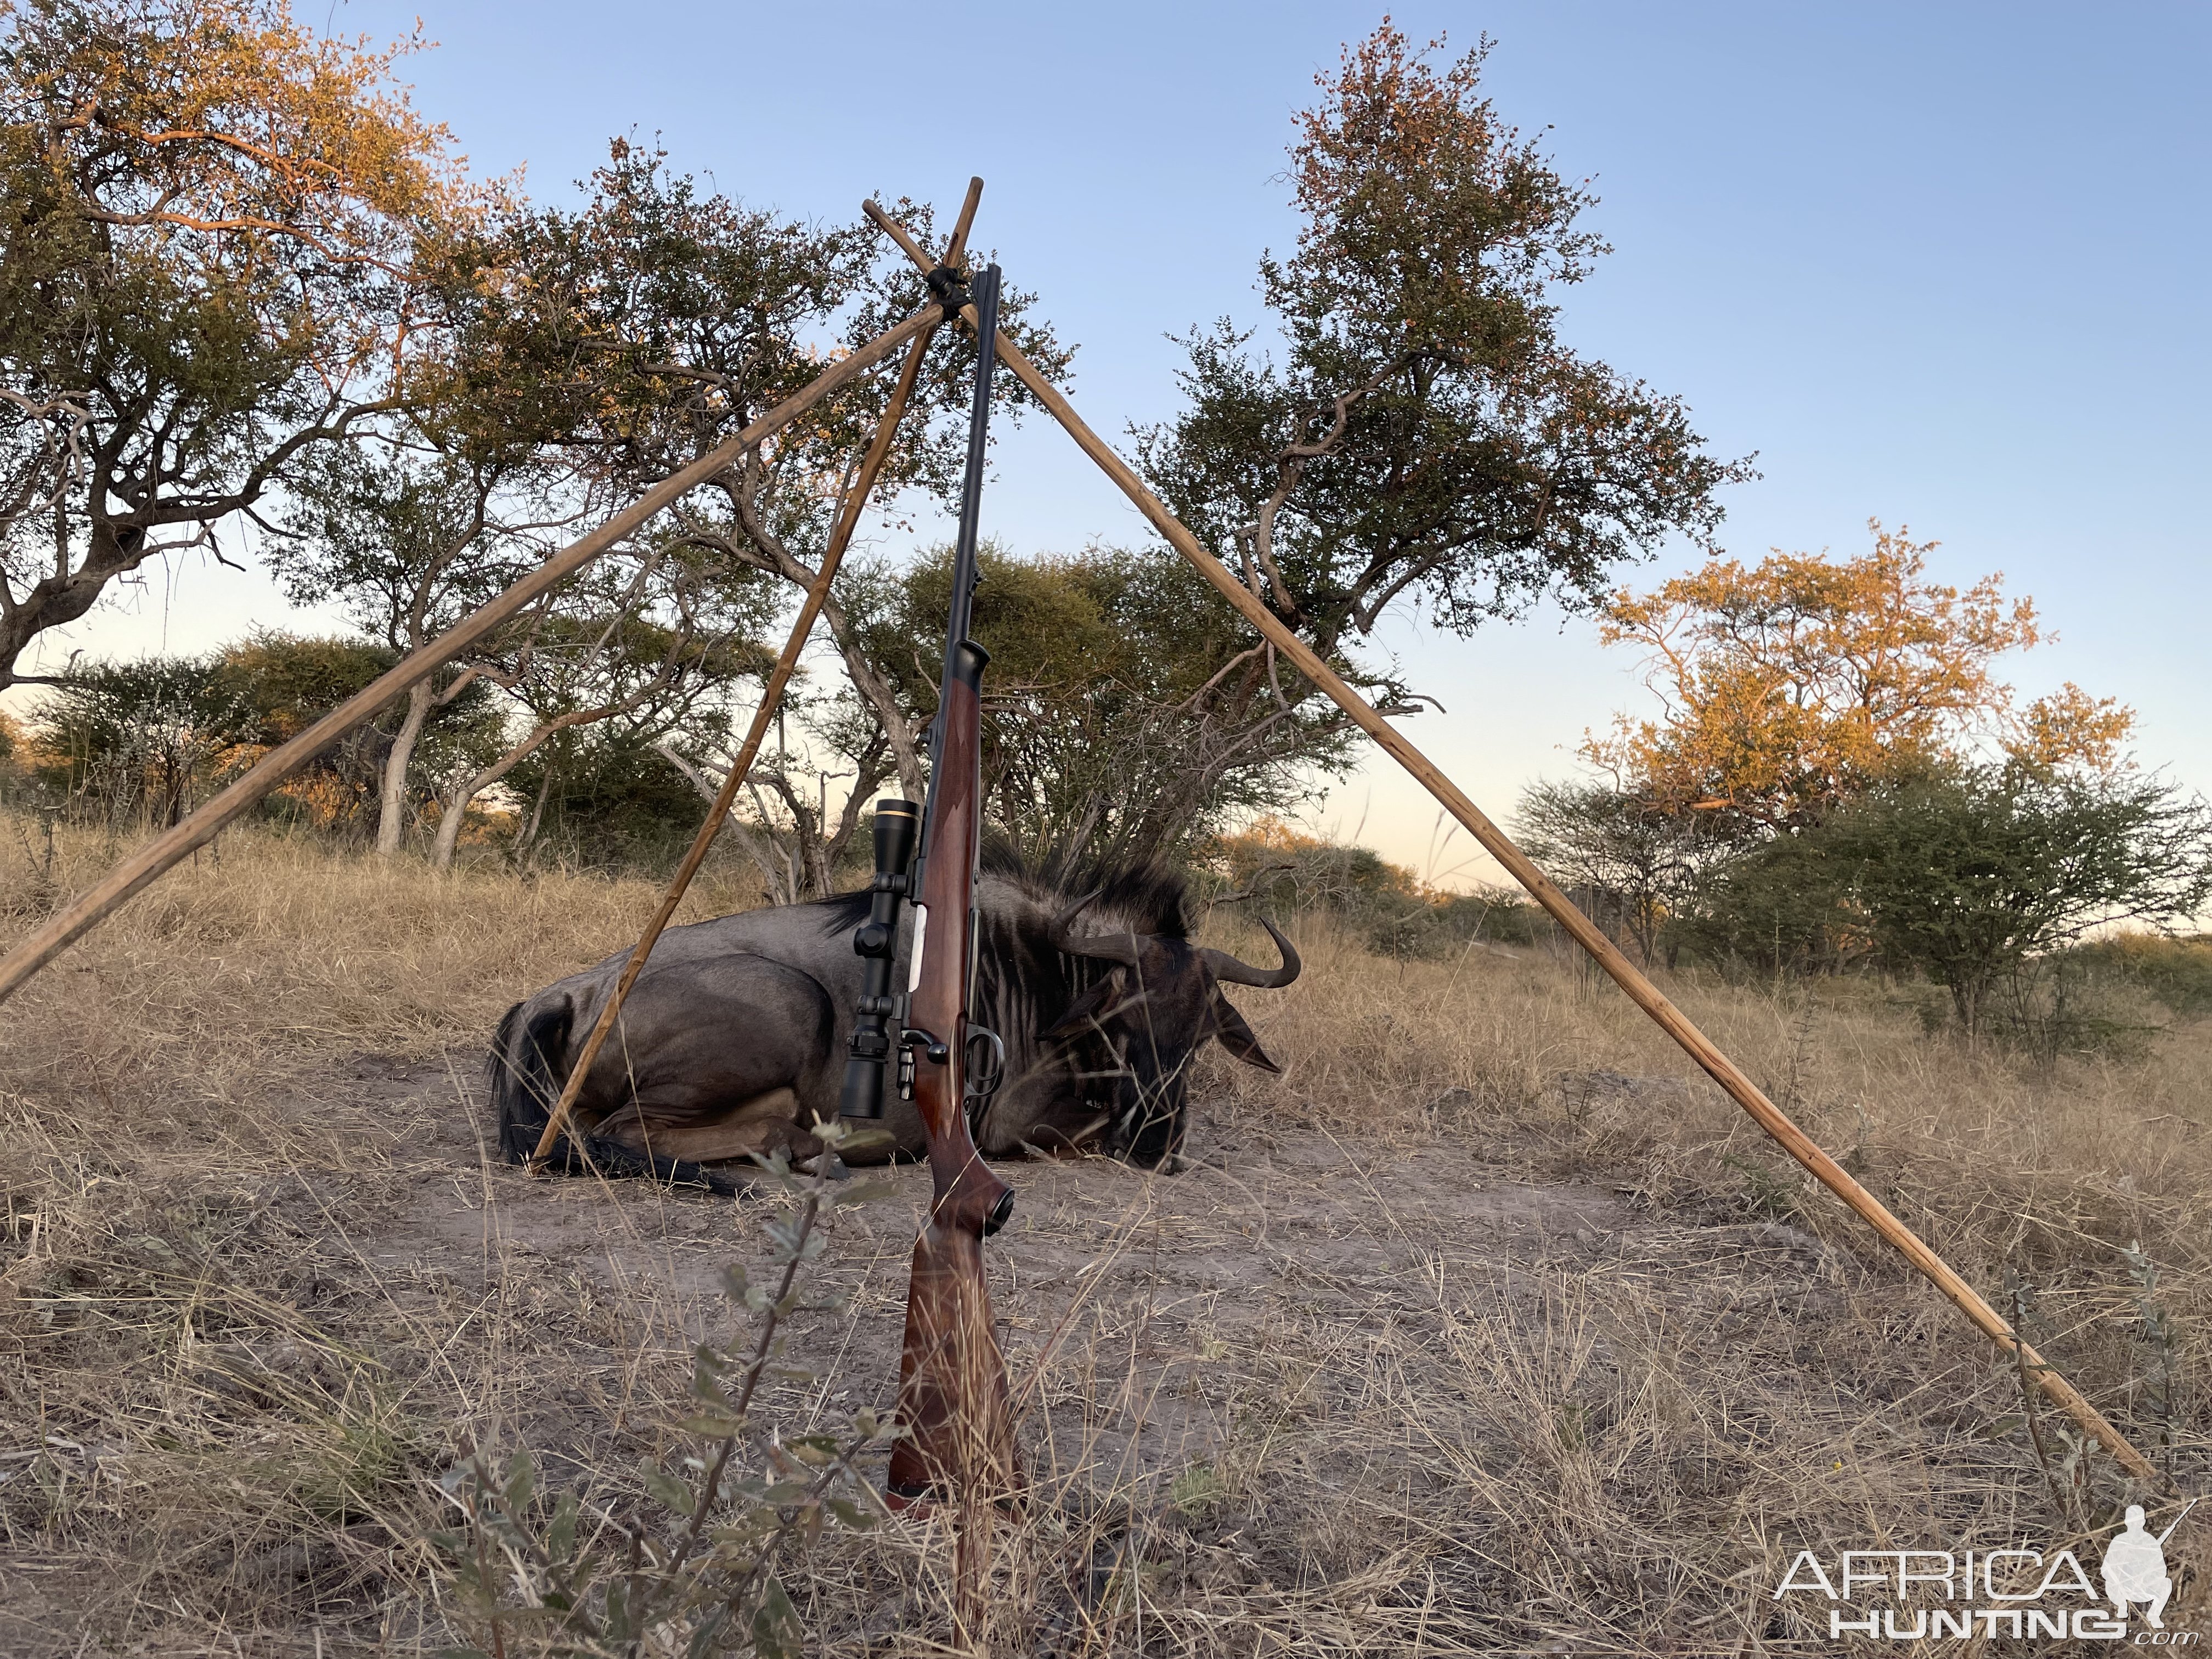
x: 1488, y: 1328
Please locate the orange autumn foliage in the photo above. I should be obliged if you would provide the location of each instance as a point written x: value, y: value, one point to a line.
x: 1792, y: 684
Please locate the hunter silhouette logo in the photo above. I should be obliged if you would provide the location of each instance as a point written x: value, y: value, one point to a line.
x: 1934, y: 1594
x: 2134, y: 1567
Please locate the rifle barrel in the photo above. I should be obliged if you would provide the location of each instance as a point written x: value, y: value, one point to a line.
x: 985, y: 293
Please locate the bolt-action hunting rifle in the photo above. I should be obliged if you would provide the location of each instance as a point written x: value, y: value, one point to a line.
x: 952, y: 1378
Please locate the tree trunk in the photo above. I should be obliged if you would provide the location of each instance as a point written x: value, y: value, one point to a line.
x: 526, y: 838
x: 456, y: 800
x: 876, y: 692
x: 455, y: 810
x: 66, y: 595
x: 392, y: 815
x: 1966, y: 998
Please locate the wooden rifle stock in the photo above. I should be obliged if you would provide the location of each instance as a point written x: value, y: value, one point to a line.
x: 958, y: 1439
x: 953, y: 1379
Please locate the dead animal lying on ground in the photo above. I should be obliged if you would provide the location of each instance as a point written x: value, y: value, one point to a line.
x: 733, y: 1040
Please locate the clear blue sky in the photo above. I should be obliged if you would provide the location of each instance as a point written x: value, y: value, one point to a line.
x: 1942, y: 264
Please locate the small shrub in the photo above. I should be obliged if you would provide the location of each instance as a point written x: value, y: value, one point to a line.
x: 704, y: 1578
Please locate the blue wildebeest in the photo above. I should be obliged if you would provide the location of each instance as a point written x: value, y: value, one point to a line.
x: 733, y: 1040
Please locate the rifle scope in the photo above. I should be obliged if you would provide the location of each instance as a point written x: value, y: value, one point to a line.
x: 876, y: 943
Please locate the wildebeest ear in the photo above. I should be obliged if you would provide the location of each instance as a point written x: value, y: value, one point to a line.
x: 1086, y: 1007
x: 1237, y: 1036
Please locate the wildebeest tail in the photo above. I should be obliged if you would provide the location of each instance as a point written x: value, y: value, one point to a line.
x: 527, y: 1079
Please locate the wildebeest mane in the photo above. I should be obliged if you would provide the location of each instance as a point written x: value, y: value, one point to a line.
x: 843, y: 912
x: 1146, y: 897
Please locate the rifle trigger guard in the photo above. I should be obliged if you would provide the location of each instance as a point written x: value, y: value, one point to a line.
x: 984, y: 1071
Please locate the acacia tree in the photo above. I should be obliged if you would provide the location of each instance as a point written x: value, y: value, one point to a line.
x: 1421, y: 434
x: 646, y: 647
x: 288, y: 681
x: 1792, y: 685
x: 776, y: 512
x: 1626, y: 847
x: 660, y: 318
x: 212, y: 225
x: 409, y: 542
x: 1097, y: 732
x: 1967, y: 873
x: 138, y: 739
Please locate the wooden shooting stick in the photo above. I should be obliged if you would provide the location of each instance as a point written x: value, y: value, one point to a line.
x: 157, y: 855
x: 856, y: 500
x: 1624, y: 973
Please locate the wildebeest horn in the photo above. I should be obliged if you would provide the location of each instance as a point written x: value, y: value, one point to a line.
x: 1102, y: 947
x: 1226, y: 966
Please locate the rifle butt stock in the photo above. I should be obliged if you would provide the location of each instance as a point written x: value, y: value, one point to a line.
x: 953, y: 1398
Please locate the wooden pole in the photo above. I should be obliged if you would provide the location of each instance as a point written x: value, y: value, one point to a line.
x: 155, y: 856
x: 848, y: 518
x: 1624, y: 973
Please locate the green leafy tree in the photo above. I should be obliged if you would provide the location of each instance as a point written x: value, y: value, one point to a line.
x: 1422, y: 435
x: 655, y: 649
x: 642, y: 328
x: 408, y: 543
x: 147, y: 739
x: 1625, y: 851
x: 212, y: 226
x: 286, y: 682
x: 602, y: 796
x: 1967, y: 874
x: 1098, y: 730
x: 638, y: 331
x: 1781, y: 905
x: 139, y: 740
